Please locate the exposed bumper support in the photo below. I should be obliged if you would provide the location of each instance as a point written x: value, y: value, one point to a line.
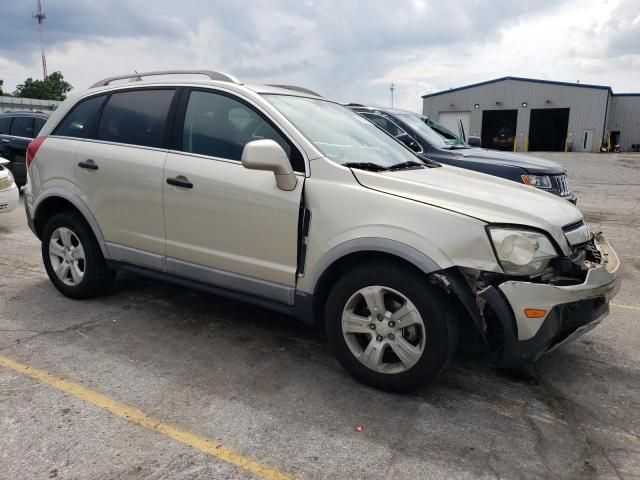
x: 572, y: 310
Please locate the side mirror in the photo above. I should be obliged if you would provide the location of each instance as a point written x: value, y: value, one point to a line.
x: 474, y: 141
x: 268, y: 155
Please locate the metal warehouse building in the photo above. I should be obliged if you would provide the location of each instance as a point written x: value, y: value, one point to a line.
x: 525, y: 114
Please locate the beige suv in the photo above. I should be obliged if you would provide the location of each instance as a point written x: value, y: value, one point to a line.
x: 277, y: 196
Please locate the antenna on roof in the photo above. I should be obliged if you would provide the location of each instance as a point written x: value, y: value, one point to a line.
x: 392, y: 88
x: 40, y: 17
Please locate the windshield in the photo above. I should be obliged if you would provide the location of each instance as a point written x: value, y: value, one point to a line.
x: 342, y: 135
x: 433, y: 132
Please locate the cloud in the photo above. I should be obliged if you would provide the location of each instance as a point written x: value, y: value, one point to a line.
x: 348, y: 50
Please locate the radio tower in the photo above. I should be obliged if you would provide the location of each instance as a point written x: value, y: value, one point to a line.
x: 40, y: 16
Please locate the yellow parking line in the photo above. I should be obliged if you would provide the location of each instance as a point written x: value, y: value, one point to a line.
x: 628, y: 307
x: 136, y: 416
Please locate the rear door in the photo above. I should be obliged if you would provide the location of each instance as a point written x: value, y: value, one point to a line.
x: 229, y: 226
x: 119, y: 172
x: 5, y: 138
x: 15, y: 145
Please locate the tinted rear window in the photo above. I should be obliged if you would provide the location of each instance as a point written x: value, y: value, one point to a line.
x: 22, y: 127
x: 78, y: 121
x: 136, y: 118
x: 38, y: 123
x: 5, y: 124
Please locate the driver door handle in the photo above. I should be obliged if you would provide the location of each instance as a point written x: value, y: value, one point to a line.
x: 180, y: 181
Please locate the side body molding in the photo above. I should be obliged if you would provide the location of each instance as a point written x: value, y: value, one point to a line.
x: 364, y: 244
x: 80, y: 205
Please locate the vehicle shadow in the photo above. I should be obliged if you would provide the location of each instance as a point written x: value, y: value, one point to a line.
x: 202, y: 351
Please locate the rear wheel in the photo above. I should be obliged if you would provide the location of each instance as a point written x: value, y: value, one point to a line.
x: 72, y: 257
x: 389, y: 327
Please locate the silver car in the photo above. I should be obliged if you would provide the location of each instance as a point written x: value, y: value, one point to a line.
x: 277, y: 196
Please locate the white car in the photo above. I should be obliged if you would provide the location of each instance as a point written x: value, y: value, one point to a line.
x: 277, y: 196
x: 9, y: 192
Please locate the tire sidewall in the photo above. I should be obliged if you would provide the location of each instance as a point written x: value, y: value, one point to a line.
x: 428, y: 300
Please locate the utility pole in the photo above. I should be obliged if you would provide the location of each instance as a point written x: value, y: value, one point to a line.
x: 40, y: 16
x: 392, y: 88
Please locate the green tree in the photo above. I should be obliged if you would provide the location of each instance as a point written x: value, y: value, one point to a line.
x: 51, y: 88
x: 1, y: 83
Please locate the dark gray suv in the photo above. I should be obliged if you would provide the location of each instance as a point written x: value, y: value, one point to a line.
x: 17, y: 129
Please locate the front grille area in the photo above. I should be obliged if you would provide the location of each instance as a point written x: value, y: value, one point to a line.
x: 573, y: 226
x: 561, y: 184
x: 577, y: 233
x: 592, y: 252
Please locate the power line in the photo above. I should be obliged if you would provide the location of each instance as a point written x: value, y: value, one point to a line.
x: 40, y: 17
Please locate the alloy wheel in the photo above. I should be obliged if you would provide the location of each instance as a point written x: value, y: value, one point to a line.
x: 67, y: 256
x: 383, y: 329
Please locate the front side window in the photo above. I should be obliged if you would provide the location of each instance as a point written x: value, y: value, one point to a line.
x: 136, y: 118
x: 22, y: 127
x: 341, y: 134
x: 220, y: 126
x: 5, y: 125
x: 78, y: 122
x: 389, y: 127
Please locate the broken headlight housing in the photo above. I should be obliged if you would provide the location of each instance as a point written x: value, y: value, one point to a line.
x: 521, y: 252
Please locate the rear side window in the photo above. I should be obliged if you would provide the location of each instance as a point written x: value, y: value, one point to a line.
x: 22, y: 127
x: 78, y: 122
x: 219, y: 126
x: 5, y: 125
x: 38, y: 123
x: 136, y: 118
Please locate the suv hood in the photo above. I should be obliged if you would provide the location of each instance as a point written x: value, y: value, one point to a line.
x: 477, y: 195
x: 530, y: 164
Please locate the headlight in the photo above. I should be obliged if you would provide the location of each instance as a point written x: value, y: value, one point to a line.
x: 538, y: 181
x: 6, y: 182
x: 521, y: 252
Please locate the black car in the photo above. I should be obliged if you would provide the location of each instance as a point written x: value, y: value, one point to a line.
x: 435, y: 142
x: 17, y: 129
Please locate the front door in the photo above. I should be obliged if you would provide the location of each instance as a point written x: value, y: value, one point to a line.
x: 227, y: 225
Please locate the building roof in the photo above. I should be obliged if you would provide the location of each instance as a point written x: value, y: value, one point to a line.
x: 529, y: 80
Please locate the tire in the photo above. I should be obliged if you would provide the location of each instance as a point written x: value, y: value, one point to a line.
x: 432, y: 343
x: 87, y: 274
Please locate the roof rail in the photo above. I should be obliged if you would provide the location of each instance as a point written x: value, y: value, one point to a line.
x: 222, y: 77
x: 297, y: 89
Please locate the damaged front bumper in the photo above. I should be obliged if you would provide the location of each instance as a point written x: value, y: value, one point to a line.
x: 572, y: 310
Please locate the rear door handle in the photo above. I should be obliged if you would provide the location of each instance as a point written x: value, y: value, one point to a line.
x: 180, y: 181
x: 89, y: 165
x: 6, y: 140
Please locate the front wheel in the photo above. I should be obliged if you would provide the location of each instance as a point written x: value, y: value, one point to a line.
x: 389, y: 327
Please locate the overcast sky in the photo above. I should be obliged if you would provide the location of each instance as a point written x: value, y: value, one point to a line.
x: 349, y: 50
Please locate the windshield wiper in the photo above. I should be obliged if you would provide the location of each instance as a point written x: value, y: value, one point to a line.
x: 373, y: 167
x: 406, y: 166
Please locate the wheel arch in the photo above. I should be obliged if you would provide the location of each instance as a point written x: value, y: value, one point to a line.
x: 352, y: 253
x: 58, y: 200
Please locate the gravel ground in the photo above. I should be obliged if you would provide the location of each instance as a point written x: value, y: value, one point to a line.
x: 267, y: 387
